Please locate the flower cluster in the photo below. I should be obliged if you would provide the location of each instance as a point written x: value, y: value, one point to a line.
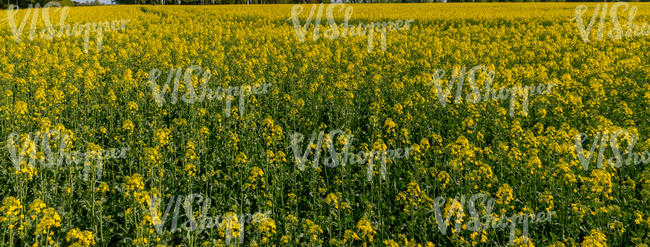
x: 50, y: 31
x: 345, y: 29
x: 335, y: 159
x: 206, y: 93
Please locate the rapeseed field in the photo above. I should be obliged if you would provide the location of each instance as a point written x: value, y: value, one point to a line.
x: 491, y: 124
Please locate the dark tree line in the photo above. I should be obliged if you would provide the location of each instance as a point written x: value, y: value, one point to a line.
x: 199, y: 2
x: 27, y: 3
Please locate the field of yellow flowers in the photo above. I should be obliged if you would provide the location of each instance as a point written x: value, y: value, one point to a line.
x: 240, y: 165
